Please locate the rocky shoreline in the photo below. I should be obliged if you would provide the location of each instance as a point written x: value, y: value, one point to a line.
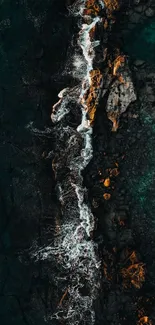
x: 119, y: 147
x: 119, y: 178
x: 125, y: 222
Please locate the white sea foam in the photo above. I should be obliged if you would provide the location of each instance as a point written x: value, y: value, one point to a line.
x: 74, y: 249
x: 78, y: 62
x: 86, y: 217
x: 77, y: 8
x: 79, y: 67
x: 86, y: 44
x: 101, y: 2
x: 60, y: 109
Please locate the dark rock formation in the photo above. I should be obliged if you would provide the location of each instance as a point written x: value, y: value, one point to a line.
x: 125, y: 222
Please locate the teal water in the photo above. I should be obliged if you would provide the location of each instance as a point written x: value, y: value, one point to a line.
x: 141, y: 41
x: 140, y: 45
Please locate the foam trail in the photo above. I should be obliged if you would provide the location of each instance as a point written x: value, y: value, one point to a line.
x: 86, y: 44
x: 60, y: 109
x: 74, y: 250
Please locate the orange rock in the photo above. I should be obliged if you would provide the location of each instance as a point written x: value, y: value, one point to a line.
x: 107, y: 182
x: 135, y: 273
x: 107, y: 196
x: 92, y: 32
x: 91, y: 97
x: 122, y: 223
x: 91, y: 4
x: 88, y: 12
x: 111, y: 5
x: 114, y: 172
x: 117, y: 63
x: 114, y: 119
x: 122, y: 81
x: 144, y: 320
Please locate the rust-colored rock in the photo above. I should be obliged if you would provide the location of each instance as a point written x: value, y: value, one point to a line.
x: 92, y: 33
x: 107, y: 196
x: 93, y: 7
x: 112, y: 5
x: 114, y: 172
x: 107, y: 182
x: 134, y: 274
x: 144, y: 320
x: 91, y: 97
x: 117, y: 64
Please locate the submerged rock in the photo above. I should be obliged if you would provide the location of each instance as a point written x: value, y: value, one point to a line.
x: 149, y: 12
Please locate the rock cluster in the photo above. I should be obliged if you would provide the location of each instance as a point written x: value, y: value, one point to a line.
x: 124, y: 207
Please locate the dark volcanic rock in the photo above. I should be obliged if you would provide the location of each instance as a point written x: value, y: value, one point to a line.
x: 125, y: 222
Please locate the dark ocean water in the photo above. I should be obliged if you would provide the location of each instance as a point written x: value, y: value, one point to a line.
x: 35, y: 43
x: 33, y: 47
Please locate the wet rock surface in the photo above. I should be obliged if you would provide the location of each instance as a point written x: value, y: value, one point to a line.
x: 125, y: 222
x: 123, y: 207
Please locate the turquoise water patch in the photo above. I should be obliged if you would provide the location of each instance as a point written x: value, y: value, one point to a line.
x: 140, y: 43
